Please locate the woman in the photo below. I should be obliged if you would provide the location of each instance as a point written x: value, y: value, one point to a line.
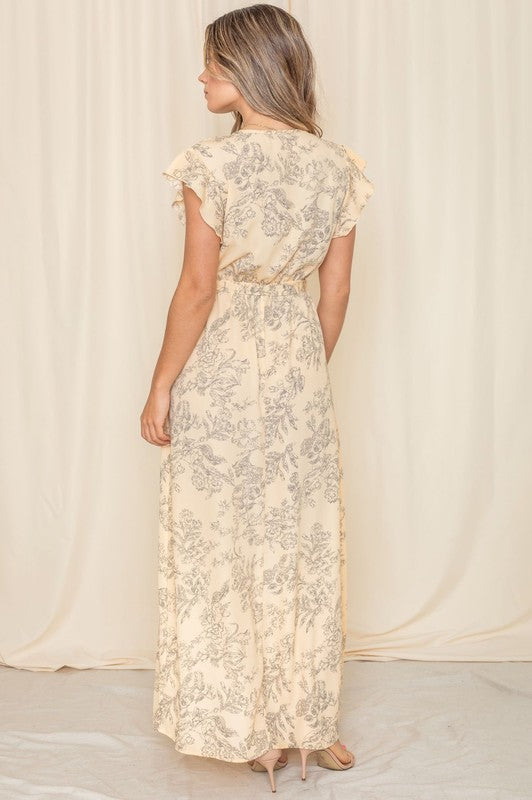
x: 252, y: 593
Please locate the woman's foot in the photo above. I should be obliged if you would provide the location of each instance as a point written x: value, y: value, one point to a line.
x: 341, y: 752
x: 283, y: 758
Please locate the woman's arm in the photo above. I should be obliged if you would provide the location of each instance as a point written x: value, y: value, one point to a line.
x: 335, y: 276
x: 188, y: 313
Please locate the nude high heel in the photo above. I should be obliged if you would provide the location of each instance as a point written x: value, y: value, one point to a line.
x: 269, y: 760
x: 326, y: 758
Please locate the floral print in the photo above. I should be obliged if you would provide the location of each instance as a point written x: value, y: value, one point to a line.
x: 252, y: 555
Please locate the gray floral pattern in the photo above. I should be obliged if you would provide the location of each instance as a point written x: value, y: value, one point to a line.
x: 252, y: 557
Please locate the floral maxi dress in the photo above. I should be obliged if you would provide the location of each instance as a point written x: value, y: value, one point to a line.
x: 252, y: 568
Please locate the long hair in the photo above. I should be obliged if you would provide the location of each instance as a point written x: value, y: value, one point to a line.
x: 261, y: 49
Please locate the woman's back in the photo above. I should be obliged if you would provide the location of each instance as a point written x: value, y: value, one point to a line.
x: 275, y: 198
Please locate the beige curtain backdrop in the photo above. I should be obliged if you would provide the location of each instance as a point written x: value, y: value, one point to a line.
x: 432, y: 373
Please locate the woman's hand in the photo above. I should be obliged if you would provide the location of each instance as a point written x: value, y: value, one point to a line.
x: 154, y: 416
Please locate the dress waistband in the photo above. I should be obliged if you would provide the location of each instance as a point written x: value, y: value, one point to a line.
x: 298, y: 284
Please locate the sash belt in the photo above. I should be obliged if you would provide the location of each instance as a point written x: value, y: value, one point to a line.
x: 299, y: 284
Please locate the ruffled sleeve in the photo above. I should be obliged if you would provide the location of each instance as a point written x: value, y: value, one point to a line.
x: 191, y: 167
x: 358, y: 191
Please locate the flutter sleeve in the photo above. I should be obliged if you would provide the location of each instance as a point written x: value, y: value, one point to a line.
x: 358, y: 191
x: 191, y: 167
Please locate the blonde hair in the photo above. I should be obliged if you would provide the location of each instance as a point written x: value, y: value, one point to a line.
x: 261, y: 49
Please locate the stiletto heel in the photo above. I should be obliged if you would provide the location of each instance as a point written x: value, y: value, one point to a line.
x: 304, y: 753
x: 269, y: 760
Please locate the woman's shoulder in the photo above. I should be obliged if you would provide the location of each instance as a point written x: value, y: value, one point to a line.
x: 202, y: 149
x: 215, y: 151
x: 344, y: 153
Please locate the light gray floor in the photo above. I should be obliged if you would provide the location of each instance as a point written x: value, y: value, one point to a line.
x: 419, y: 730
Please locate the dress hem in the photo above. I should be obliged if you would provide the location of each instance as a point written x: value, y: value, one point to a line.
x: 284, y: 746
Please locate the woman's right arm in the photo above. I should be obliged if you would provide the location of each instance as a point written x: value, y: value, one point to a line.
x: 335, y: 277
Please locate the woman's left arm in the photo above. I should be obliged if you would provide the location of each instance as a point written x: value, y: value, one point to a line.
x: 188, y: 313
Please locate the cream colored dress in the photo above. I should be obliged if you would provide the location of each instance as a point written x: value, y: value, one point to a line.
x: 252, y: 587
